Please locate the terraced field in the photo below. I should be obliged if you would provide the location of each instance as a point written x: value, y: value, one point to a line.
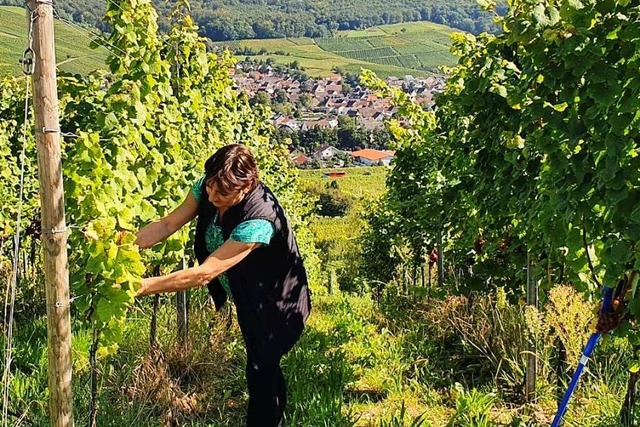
x: 315, y: 60
x: 415, y: 48
x: 72, y: 45
x: 415, y: 45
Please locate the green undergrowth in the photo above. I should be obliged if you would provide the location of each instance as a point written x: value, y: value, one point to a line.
x: 400, y: 362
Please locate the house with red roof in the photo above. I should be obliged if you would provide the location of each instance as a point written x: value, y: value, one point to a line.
x: 370, y: 157
x: 301, y: 160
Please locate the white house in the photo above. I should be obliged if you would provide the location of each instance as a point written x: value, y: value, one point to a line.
x: 325, y: 152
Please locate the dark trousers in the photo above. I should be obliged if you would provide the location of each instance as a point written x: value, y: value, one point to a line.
x: 267, y: 394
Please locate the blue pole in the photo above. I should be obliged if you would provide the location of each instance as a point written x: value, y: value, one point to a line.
x: 586, y: 354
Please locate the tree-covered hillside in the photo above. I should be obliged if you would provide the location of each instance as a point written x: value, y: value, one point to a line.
x: 242, y: 19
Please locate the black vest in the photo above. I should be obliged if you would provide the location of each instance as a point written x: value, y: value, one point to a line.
x: 269, y: 286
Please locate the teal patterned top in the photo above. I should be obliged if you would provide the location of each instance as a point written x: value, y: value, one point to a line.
x: 251, y: 231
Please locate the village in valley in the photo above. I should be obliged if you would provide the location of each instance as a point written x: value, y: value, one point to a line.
x: 323, y: 106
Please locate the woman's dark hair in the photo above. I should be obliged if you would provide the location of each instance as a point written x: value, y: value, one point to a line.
x: 232, y: 168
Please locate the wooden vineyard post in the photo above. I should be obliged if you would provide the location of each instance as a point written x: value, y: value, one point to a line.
x: 54, y: 230
x: 532, y: 300
x: 183, y: 318
x: 153, y: 327
x: 626, y: 412
x: 561, y: 369
x: 403, y: 289
x: 414, y: 278
x: 440, y: 260
x: 182, y: 309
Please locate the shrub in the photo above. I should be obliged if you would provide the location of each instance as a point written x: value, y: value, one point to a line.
x: 332, y: 203
x: 491, y: 334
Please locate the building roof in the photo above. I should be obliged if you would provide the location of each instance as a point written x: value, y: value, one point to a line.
x: 322, y: 148
x: 371, y: 124
x: 372, y: 155
x: 301, y: 160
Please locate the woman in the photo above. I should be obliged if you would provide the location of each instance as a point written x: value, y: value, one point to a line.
x: 246, y: 250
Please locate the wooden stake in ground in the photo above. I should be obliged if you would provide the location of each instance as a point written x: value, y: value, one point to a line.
x: 440, y: 259
x: 532, y: 358
x: 182, y: 310
x: 54, y: 230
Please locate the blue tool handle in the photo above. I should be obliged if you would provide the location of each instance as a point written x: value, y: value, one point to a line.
x: 607, y: 307
x: 607, y: 300
x: 586, y: 354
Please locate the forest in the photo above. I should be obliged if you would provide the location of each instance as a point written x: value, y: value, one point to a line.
x: 248, y: 19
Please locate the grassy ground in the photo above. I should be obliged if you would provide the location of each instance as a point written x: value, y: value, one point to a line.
x: 359, y: 182
x: 358, y: 364
x: 72, y: 45
x: 338, y: 237
x: 388, y: 50
x: 344, y: 372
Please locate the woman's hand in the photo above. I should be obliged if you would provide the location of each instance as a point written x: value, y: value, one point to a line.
x: 144, y: 288
x: 149, y: 235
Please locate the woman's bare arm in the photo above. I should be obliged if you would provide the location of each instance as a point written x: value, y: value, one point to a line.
x: 158, y: 231
x: 225, y: 257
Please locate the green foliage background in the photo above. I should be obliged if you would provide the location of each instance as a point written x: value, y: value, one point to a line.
x: 533, y: 147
